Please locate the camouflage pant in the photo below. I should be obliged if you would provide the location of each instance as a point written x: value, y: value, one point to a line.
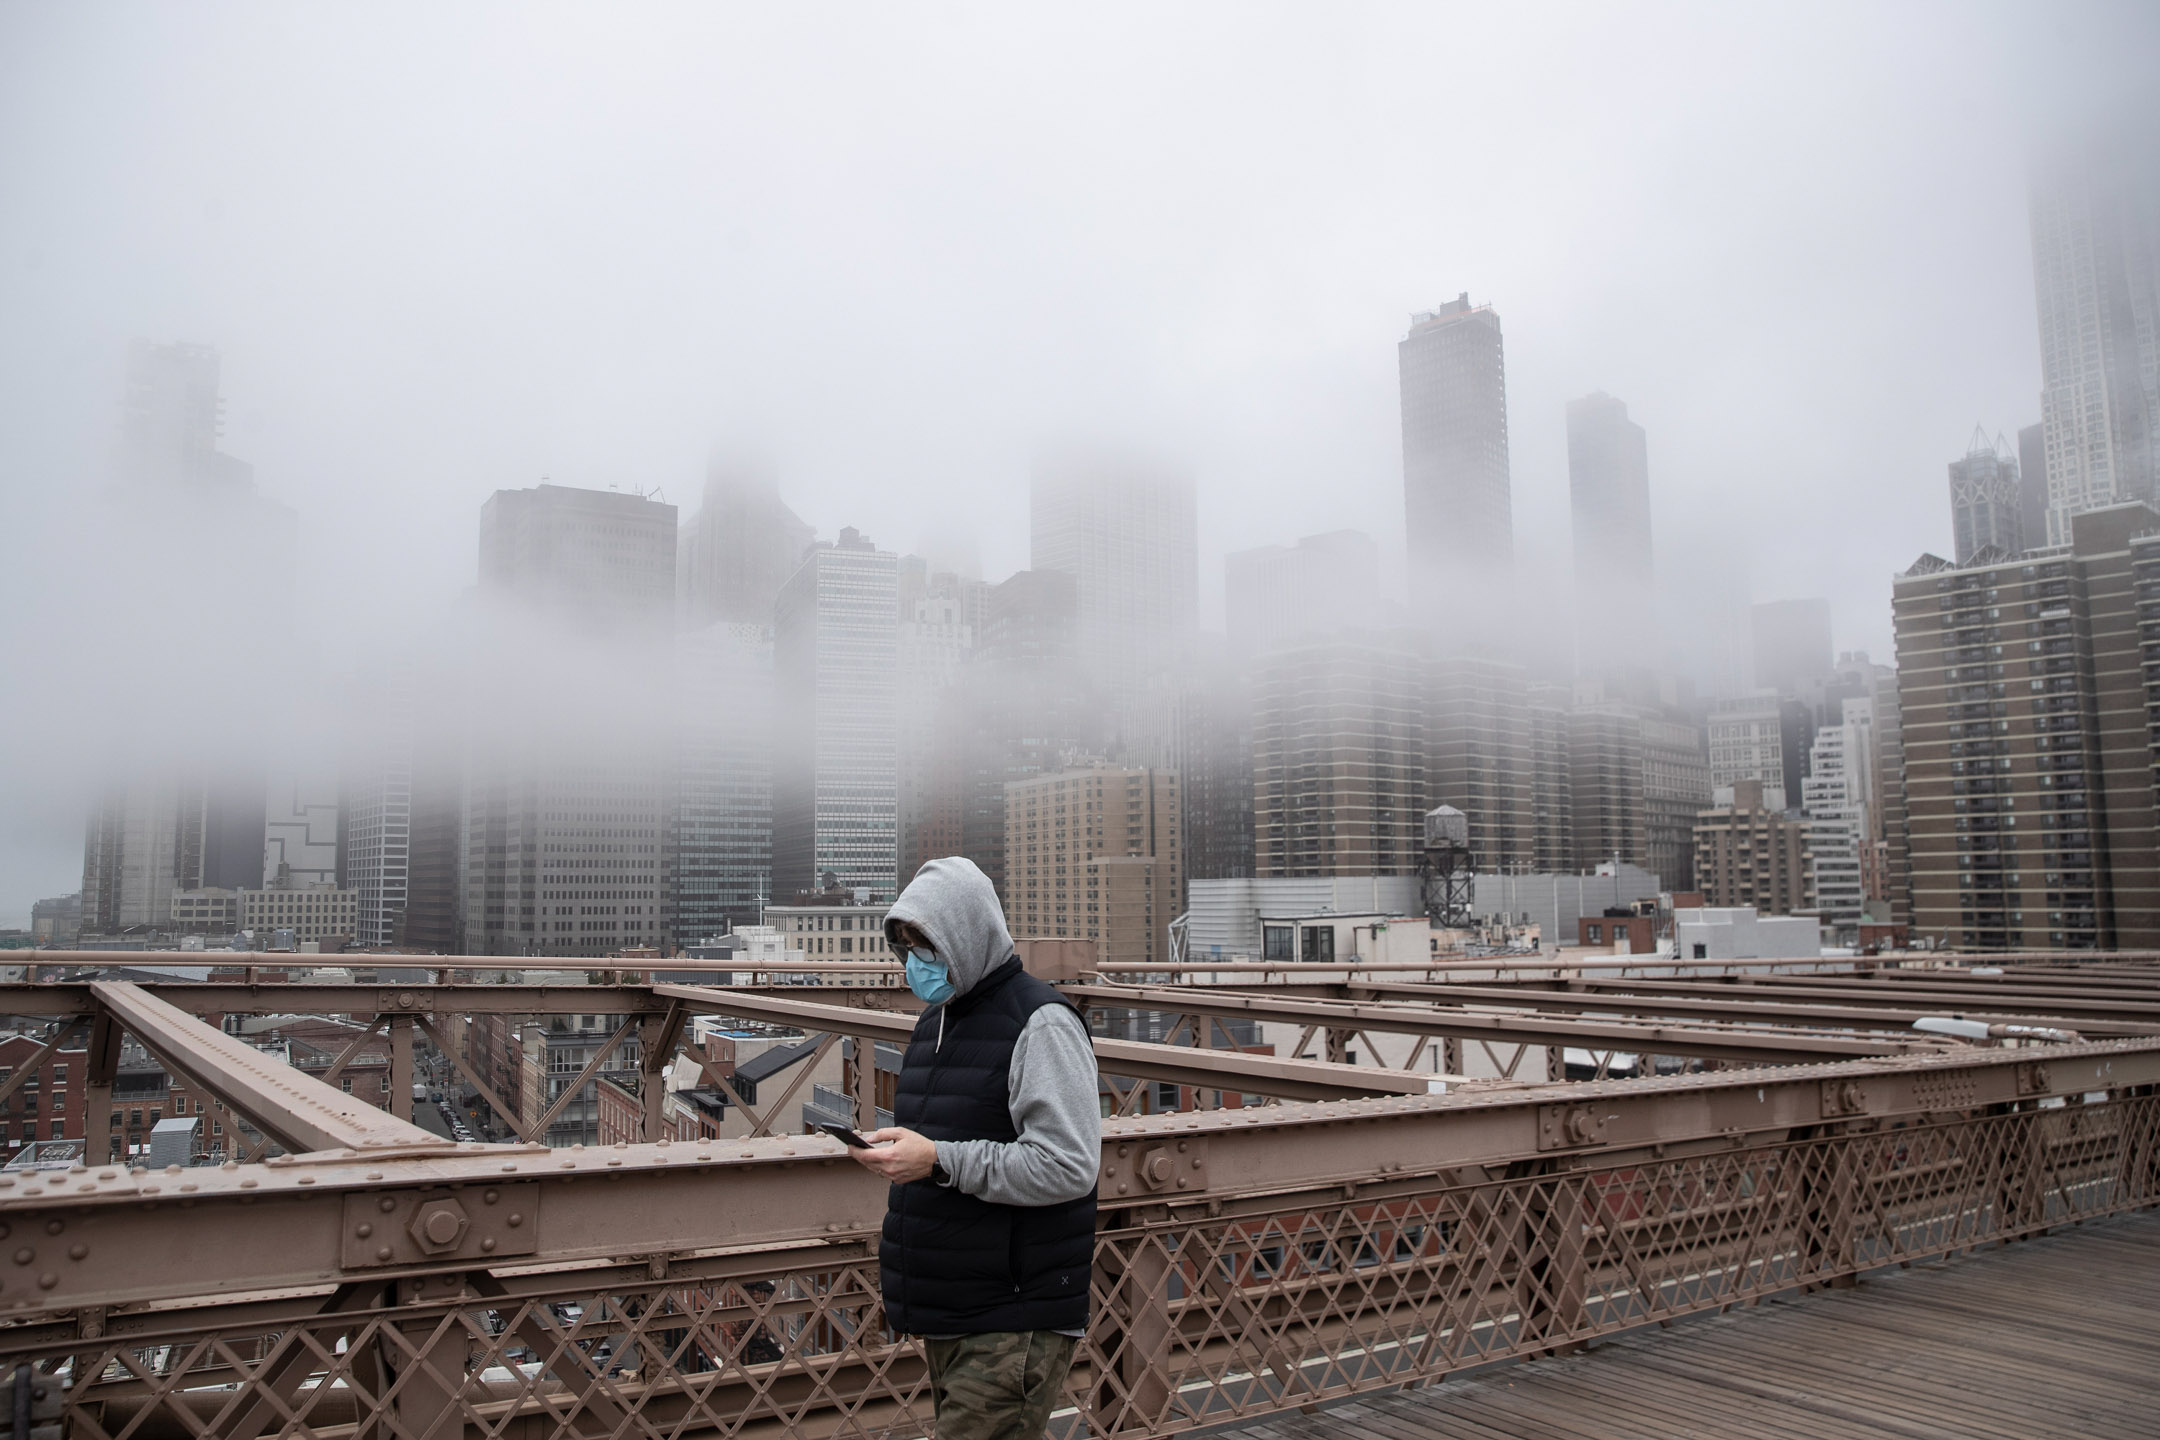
x: 998, y: 1386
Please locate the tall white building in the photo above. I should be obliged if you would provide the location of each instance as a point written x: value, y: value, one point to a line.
x: 836, y: 760
x: 1838, y: 796
x: 1126, y: 529
x: 378, y: 798
x: 2096, y: 271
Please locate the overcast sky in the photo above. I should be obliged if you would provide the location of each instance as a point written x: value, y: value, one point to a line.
x: 446, y: 250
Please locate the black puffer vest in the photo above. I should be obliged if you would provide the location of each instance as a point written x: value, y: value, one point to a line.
x: 953, y: 1264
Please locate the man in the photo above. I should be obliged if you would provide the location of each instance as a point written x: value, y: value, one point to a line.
x: 989, y: 1234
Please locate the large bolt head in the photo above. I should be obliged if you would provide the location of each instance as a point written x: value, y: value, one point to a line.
x: 438, y: 1226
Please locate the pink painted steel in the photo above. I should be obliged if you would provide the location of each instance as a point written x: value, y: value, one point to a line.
x: 1252, y: 1262
x: 301, y: 1112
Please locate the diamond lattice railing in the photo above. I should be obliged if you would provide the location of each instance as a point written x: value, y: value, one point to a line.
x: 1199, y: 1318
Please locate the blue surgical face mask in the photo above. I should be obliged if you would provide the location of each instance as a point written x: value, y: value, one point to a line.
x: 927, y: 977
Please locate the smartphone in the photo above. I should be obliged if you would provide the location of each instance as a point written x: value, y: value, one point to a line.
x: 846, y: 1135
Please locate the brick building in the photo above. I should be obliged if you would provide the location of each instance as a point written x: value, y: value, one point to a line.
x: 1095, y: 854
x: 1749, y: 854
x: 49, y: 1104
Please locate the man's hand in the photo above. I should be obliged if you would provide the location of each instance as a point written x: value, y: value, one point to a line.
x: 908, y: 1157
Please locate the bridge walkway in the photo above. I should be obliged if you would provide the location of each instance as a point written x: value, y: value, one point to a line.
x: 2058, y: 1336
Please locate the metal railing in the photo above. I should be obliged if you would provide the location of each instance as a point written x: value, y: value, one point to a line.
x: 1247, y: 1261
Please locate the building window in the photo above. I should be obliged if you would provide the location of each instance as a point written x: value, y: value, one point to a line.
x: 1275, y: 943
x: 1319, y: 943
x: 1596, y: 933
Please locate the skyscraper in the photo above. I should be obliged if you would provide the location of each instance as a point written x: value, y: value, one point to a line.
x: 2096, y: 271
x: 1792, y: 645
x: 1340, y: 758
x: 1457, y: 501
x: 1551, y: 788
x: 568, y: 829
x: 1639, y: 774
x: 1987, y: 499
x: 1838, y: 800
x: 1605, y: 767
x: 738, y: 550
x: 1609, y: 500
x: 723, y: 847
x: 1215, y: 766
x: 836, y: 756
x: 1124, y: 527
x: 602, y: 561
x: 183, y: 809
x: 375, y: 806
x: 1479, y: 758
x: 1022, y: 705
x: 1279, y: 593
x: 152, y: 835
x: 2033, y: 484
x: 302, y: 827
x: 937, y: 638
x: 171, y: 419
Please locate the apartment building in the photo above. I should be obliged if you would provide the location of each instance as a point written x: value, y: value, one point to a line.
x: 1095, y: 853
x: 1750, y: 854
x: 2030, y: 692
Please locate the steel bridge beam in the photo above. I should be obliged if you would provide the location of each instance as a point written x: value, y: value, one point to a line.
x: 298, y: 1111
x: 1749, y: 1047
x: 305, y: 997
x: 1616, y: 997
x: 1868, y: 993
x: 1170, y: 1064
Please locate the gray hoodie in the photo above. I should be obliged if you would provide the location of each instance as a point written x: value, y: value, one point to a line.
x: 1051, y: 1085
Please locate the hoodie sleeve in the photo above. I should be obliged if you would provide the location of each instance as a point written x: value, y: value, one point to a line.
x: 1053, y: 1093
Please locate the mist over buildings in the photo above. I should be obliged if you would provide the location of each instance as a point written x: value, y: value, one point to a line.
x: 318, y: 322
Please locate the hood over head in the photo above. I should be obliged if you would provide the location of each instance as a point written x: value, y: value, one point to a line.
x: 954, y: 903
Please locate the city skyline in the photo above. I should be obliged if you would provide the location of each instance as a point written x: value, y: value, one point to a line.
x: 642, y: 369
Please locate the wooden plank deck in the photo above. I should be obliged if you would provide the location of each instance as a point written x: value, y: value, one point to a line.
x: 2058, y: 1336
